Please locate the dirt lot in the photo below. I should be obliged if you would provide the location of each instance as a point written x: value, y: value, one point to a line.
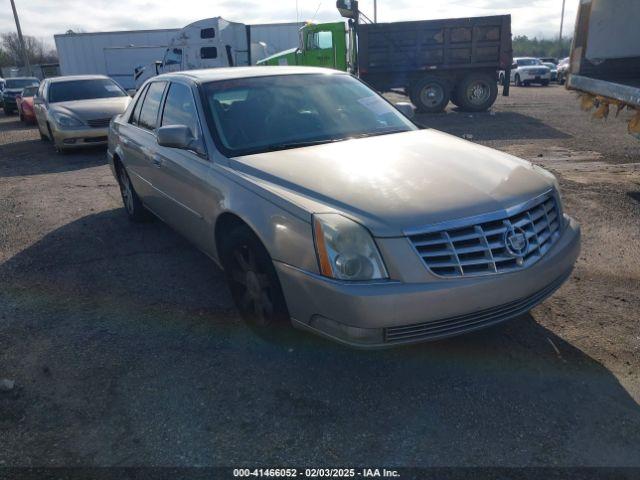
x: 125, y: 348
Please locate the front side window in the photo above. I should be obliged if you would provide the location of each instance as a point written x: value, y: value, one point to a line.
x: 320, y: 40
x: 253, y: 115
x: 174, y: 56
x: 149, y: 112
x: 179, y: 109
x: 72, y: 90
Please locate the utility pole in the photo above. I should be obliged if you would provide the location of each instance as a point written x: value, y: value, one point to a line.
x: 561, y: 25
x: 375, y: 11
x: 25, y: 55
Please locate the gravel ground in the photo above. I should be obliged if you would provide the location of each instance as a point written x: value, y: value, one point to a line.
x: 125, y: 348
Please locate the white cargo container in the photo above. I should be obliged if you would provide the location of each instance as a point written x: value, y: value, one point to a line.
x: 207, y: 43
x: 115, y: 54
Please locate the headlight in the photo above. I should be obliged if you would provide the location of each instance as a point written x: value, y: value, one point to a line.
x: 345, y: 249
x: 64, y: 120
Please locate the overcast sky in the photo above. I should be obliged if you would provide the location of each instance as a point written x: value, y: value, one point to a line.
x: 43, y: 18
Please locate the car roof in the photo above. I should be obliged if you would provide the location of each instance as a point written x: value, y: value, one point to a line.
x: 68, y: 78
x: 232, y: 73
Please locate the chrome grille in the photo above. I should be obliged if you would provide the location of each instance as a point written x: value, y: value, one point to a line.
x: 99, y: 122
x: 483, y: 247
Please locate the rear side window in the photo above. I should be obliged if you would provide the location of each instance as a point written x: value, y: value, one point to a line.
x: 135, y: 116
x: 149, y: 114
x: 208, y: 52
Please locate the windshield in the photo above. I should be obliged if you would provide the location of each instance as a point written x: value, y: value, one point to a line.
x: 526, y: 62
x: 253, y: 115
x: 29, y: 91
x: 84, y: 90
x: 20, y: 82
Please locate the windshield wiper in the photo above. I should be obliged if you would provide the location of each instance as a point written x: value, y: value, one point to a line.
x: 308, y: 143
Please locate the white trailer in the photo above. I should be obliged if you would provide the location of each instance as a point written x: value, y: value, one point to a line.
x: 115, y: 54
x: 119, y: 54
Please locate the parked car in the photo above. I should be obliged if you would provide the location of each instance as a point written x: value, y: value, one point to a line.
x: 24, y: 102
x: 13, y: 87
x: 528, y: 70
x: 553, y: 69
x: 75, y: 111
x: 329, y: 209
x: 563, y: 70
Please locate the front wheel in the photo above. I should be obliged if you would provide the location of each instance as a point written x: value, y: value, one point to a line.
x: 476, y: 92
x: 430, y: 95
x: 545, y: 83
x: 254, y: 283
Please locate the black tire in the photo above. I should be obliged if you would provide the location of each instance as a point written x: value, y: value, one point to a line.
x: 8, y: 111
x: 517, y: 81
x: 430, y: 95
x: 43, y: 137
x: 20, y: 116
x: 476, y: 92
x: 132, y: 203
x: 545, y: 83
x: 254, y: 283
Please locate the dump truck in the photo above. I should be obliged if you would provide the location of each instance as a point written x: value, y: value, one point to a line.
x: 431, y: 61
x: 605, y: 58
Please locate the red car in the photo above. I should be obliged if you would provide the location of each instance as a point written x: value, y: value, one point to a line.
x: 24, y: 102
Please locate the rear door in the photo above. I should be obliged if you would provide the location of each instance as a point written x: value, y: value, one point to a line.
x: 183, y: 174
x: 139, y: 144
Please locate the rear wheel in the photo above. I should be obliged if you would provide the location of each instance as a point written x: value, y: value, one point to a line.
x: 254, y: 283
x: 132, y: 203
x: 430, y: 95
x: 476, y: 92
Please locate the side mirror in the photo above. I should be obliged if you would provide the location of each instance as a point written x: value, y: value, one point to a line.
x: 175, y: 136
x: 406, y: 109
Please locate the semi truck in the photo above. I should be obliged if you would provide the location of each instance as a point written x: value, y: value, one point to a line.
x: 605, y: 58
x: 432, y: 61
x: 130, y: 57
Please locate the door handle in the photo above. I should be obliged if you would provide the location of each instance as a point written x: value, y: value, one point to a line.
x: 156, y: 160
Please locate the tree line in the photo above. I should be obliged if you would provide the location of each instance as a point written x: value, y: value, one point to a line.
x: 524, y: 46
x: 11, y: 54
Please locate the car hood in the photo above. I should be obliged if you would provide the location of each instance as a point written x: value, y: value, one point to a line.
x: 393, y: 183
x: 96, y: 108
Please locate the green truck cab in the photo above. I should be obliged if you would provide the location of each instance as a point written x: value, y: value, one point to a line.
x: 321, y: 45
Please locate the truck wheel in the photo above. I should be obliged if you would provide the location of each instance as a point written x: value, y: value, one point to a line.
x: 430, y: 95
x: 476, y: 92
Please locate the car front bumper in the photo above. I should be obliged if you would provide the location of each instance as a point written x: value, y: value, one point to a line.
x: 389, y: 313
x: 533, y: 77
x: 79, y: 137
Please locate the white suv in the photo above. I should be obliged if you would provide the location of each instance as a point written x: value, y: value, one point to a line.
x: 527, y: 70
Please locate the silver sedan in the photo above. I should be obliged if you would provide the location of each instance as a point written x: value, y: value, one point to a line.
x: 75, y: 111
x: 330, y: 210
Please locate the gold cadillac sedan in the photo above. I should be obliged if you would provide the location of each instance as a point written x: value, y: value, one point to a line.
x: 75, y: 111
x: 330, y: 210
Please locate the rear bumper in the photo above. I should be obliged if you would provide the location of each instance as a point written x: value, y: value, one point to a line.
x: 80, y: 137
x: 384, y: 314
